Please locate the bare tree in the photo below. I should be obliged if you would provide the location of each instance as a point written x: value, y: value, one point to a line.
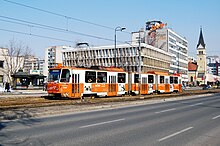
x: 14, y: 56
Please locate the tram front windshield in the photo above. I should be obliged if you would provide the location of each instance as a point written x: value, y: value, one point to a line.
x: 54, y: 75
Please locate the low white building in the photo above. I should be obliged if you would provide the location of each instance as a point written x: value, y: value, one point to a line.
x: 8, y: 65
x: 127, y: 57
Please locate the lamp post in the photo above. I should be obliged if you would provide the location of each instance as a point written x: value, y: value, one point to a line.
x: 117, y: 29
x: 178, y: 69
x: 139, y: 60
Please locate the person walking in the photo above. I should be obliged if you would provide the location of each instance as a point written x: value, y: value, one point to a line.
x: 7, y: 87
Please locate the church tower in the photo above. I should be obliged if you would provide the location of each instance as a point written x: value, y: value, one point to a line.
x: 201, y: 60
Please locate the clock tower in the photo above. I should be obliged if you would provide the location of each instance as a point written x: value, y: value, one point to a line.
x: 201, y: 60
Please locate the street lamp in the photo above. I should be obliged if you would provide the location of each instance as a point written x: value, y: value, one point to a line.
x: 117, y: 29
x: 178, y: 69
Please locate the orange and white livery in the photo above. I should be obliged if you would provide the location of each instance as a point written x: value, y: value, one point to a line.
x: 147, y: 83
x: 75, y: 82
x: 175, y: 82
x: 162, y: 81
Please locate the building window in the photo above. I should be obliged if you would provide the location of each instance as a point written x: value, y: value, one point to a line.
x: 191, y: 79
x: 1, y: 79
x: 2, y: 64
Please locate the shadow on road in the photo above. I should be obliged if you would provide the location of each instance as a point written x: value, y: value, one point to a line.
x: 10, y: 137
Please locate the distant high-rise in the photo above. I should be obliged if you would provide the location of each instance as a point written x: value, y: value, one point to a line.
x: 157, y: 35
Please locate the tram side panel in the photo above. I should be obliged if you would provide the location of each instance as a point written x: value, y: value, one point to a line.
x: 147, y: 83
x: 134, y: 83
x: 117, y: 83
x: 162, y: 84
x: 77, y: 83
x: 105, y: 83
x: 175, y: 81
x: 122, y: 80
x: 69, y: 83
x: 151, y: 84
x: 144, y: 84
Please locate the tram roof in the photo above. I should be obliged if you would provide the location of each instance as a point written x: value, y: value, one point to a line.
x: 113, y: 69
x: 158, y: 73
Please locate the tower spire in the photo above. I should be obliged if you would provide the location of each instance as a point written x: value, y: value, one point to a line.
x: 201, y: 40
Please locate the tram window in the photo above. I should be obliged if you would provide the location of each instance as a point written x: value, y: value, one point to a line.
x: 121, y: 77
x: 176, y: 80
x: 65, y: 76
x: 102, y: 77
x: 136, y: 78
x: 90, y: 77
x: 171, y: 80
x: 54, y: 75
x: 150, y: 79
x: 161, y: 79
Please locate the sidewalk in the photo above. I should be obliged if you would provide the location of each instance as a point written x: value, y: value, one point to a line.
x: 19, y: 93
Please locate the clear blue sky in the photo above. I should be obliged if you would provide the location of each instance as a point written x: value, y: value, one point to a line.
x: 184, y: 17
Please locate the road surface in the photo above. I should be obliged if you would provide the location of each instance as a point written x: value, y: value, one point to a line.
x: 182, y: 122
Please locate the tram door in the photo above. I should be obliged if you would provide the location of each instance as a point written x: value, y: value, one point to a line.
x: 75, y: 85
x: 112, y: 88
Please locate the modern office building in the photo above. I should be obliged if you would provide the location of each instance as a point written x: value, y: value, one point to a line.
x: 167, y: 40
x: 127, y: 57
x: 213, y: 65
x: 212, y: 59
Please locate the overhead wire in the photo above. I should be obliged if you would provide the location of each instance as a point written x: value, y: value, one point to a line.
x: 48, y: 27
x: 42, y: 26
x: 36, y: 35
x: 61, y: 15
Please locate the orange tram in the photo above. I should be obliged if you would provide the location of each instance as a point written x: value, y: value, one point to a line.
x: 74, y: 82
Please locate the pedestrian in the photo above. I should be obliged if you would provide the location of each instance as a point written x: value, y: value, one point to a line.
x: 7, y: 87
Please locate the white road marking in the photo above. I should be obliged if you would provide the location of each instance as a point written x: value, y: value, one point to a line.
x: 216, y: 117
x: 166, y: 110
x: 96, y: 124
x: 174, y: 134
x: 196, y: 104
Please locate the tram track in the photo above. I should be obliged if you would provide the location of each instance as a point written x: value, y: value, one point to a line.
x: 43, y: 101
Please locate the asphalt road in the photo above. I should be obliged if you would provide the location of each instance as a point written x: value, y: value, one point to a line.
x: 193, y: 122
